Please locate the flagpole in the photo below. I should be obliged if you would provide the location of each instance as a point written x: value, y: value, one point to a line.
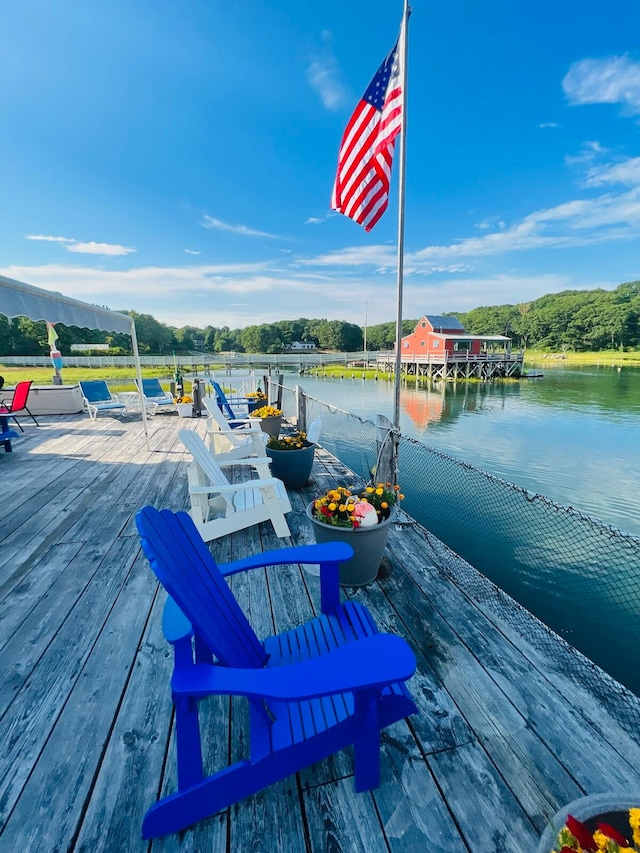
x: 401, y: 181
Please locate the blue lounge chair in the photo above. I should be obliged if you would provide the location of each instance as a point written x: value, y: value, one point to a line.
x: 154, y: 393
x: 313, y: 690
x: 96, y: 398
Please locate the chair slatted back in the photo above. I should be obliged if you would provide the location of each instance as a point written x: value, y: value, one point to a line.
x: 20, y: 395
x: 95, y: 390
x: 204, y: 460
x: 211, y: 405
x: 184, y: 566
x: 223, y: 403
x: 152, y: 388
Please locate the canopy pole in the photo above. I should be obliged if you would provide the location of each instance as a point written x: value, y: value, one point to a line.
x: 136, y: 355
x: 404, y: 43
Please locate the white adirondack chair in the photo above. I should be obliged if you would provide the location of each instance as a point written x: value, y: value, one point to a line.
x: 219, y: 507
x: 226, y: 443
x: 211, y: 405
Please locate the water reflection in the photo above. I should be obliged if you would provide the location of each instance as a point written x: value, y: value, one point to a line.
x: 431, y: 403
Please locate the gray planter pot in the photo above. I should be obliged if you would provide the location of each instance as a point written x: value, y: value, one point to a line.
x: 604, y: 806
x: 368, y: 545
x: 270, y: 425
x: 293, y: 467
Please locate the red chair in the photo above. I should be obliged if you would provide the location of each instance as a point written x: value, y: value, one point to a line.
x: 18, y: 404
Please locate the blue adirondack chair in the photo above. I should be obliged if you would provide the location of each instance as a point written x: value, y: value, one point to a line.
x: 316, y: 689
x: 226, y: 404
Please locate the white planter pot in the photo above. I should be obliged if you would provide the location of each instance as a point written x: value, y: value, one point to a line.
x: 185, y: 410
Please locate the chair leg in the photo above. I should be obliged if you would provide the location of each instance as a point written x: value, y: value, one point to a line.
x: 367, y: 741
x: 18, y: 422
x: 32, y: 418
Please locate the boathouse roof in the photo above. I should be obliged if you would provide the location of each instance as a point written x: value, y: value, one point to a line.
x: 443, y: 322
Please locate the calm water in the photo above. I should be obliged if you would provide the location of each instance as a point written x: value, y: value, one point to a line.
x: 573, y: 435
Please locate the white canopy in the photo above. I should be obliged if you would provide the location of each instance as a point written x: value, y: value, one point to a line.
x: 18, y: 299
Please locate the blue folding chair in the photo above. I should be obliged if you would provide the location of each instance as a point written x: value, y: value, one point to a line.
x: 313, y: 690
x: 154, y: 393
x: 96, y: 398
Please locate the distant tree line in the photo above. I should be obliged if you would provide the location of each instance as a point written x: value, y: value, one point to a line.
x: 578, y: 320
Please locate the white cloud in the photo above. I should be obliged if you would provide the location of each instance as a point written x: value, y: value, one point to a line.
x: 93, y: 248
x: 626, y: 172
x: 544, y: 124
x: 210, y: 222
x: 49, y: 239
x: 323, y: 75
x: 192, y: 252
x: 615, y: 80
x: 90, y: 248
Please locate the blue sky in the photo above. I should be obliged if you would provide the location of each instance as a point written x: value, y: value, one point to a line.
x: 178, y: 158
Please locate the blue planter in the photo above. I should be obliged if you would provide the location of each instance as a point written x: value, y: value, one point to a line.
x: 293, y: 467
x: 368, y: 545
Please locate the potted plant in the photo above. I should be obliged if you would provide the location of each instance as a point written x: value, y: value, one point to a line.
x: 184, y: 405
x: 291, y: 458
x: 270, y: 419
x: 363, y: 520
x: 601, y: 822
x: 256, y: 399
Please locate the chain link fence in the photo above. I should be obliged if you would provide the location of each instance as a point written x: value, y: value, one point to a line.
x: 579, y: 576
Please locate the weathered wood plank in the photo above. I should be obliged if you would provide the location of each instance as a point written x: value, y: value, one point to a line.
x: 583, y: 748
x: 27, y: 724
x: 61, y: 780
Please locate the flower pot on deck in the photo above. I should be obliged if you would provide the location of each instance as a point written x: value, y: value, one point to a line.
x: 293, y: 467
x: 185, y: 410
x: 612, y: 809
x: 270, y: 425
x: 368, y: 545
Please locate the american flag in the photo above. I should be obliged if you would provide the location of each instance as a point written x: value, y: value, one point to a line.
x: 361, y: 189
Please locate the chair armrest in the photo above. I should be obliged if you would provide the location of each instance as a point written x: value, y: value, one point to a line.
x: 372, y: 662
x: 248, y: 431
x: 175, y: 625
x: 247, y: 460
x: 234, y: 487
x: 330, y: 552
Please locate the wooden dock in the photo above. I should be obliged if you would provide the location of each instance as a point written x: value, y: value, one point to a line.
x: 454, y: 366
x: 506, y: 735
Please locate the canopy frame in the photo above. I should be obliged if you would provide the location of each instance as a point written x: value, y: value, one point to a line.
x: 19, y: 299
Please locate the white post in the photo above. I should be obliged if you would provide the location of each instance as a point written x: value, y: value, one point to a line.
x: 136, y: 355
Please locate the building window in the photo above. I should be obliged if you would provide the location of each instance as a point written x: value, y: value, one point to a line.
x: 424, y: 325
x: 423, y: 343
x: 436, y: 344
x: 405, y: 344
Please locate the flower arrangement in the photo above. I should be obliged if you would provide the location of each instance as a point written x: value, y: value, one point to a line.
x: 575, y: 837
x: 295, y: 441
x: 256, y: 395
x: 266, y: 412
x: 184, y: 399
x: 342, y: 507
